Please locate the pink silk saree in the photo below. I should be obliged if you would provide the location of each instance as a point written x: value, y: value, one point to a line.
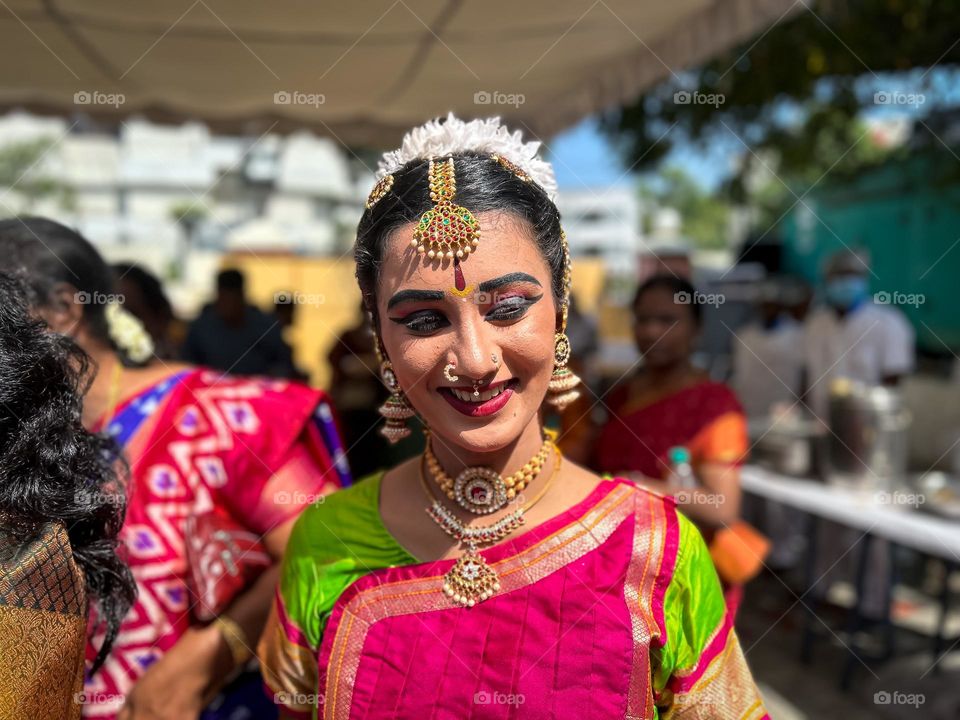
x: 611, y: 609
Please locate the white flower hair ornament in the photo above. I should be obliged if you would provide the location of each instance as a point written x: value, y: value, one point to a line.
x: 442, y: 138
x: 128, y: 333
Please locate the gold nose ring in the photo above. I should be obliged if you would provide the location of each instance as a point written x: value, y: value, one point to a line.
x: 448, y: 374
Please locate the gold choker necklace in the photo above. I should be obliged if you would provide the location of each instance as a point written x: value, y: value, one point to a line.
x: 482, y: 490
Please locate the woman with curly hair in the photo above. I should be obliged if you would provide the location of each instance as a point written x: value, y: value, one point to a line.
x: 61, y: 509
x: 220, y: 467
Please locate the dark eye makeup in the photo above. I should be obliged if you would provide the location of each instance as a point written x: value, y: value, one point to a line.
x: 506, y: 309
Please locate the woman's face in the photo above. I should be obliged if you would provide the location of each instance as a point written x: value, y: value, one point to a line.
x: 664, y: 328
x: 506, y: 309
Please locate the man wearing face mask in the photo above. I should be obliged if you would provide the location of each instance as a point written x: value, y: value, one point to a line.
x: 852, y: 336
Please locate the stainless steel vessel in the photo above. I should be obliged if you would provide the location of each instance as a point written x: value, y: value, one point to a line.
x: 867, y: 445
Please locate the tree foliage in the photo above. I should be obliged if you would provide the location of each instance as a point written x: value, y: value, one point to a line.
x: 799, y: 90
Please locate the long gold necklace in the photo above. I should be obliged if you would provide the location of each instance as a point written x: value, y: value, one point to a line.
x: 482, y: 490
x: 471, y: 579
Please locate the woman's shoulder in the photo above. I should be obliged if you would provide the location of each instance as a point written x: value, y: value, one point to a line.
x: 28, y: 570
x: 333, y: 514
x: 659, y: 515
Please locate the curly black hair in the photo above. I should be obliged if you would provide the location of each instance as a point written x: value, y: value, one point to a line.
x: 51, y: 468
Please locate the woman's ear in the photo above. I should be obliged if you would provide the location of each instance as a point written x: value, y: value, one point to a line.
x: 63, y: 310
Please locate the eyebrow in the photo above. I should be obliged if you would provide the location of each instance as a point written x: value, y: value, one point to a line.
x: 421, y: 295
x: 488, y: 285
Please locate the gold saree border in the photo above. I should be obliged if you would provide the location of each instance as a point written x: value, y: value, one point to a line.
x: 649, y: 541
x: 726, y: 687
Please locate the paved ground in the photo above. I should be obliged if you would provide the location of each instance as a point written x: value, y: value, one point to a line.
x: 796, y: 691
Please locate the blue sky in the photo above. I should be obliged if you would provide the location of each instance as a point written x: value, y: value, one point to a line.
x: 584, y: 158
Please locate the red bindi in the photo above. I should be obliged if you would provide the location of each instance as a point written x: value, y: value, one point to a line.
x: 458, y: 280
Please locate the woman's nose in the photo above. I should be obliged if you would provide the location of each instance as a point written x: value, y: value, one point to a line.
x: 476, y: 352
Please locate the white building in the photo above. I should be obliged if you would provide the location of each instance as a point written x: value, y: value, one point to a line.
x: 125, y: 186
x: 604, y: 223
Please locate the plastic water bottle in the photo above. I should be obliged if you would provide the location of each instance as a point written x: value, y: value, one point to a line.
x: 681, y: 471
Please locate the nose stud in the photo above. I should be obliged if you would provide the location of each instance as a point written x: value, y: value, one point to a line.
x: 448, y: 372
x: 496, y: 360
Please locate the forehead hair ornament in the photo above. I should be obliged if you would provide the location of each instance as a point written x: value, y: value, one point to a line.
x: 447, y: 230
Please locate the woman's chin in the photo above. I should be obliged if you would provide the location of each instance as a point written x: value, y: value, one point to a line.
x: 480, y: 434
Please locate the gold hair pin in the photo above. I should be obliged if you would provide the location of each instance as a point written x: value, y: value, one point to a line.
x: 379, y: 190
x: 512, y: 167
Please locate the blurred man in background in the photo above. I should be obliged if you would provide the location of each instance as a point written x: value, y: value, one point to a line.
x: 767, y: 360
x: 232, y: 335
x: 853, y: 337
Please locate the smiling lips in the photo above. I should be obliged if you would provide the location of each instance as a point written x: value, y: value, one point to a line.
x: 489, y: 401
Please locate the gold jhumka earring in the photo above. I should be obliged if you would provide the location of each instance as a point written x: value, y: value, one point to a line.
x: 396, y: 410
x: 562, y: 389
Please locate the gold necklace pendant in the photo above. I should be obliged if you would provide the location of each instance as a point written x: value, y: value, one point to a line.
x: 471, y: 579
x: 480, y: 490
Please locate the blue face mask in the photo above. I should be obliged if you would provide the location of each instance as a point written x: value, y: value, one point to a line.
x: 847, y: 291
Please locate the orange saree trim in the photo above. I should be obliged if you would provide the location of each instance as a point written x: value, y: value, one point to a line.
x: 288, y: 666
x: 724, y: 441
x: 43, y: 628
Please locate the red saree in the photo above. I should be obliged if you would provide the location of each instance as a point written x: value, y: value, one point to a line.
x: 250, y: 447
x: 706, y: 418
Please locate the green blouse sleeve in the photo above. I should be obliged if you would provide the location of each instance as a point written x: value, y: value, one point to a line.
x: 694, y: 607
x: 334, y: 543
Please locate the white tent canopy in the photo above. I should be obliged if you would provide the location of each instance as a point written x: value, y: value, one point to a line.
x: 359, y: 72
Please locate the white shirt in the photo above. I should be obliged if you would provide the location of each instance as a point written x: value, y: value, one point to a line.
x: 767, y: 366
x: 866, y: 345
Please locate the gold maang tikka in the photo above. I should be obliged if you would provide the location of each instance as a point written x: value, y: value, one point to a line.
x: 447, y: 230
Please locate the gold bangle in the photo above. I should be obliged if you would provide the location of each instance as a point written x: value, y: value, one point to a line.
x: 235, y: 638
